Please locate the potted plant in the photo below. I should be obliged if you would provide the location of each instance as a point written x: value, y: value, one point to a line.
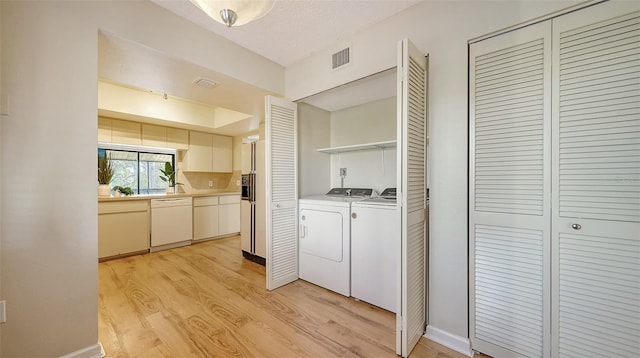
x: 169, y: 177
x: 119, y: 191
x: 105, y: 173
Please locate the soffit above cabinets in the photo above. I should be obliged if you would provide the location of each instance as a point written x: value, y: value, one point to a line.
x: 131, y: 65
x: 368, y: 89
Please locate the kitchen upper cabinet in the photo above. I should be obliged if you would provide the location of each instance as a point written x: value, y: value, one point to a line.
x: 125, y: 132
x: 165, y: 137
x: 208, y: 153
x: 154, y: 136
x: 104, y: 129
x: 177, y: 138
x: 199, y: 157
x: 118, y: 131
x: 222, y: 154
x: 123, y: 228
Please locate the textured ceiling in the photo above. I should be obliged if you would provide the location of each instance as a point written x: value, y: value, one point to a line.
x: 295, y: 29
x: 292, y: 31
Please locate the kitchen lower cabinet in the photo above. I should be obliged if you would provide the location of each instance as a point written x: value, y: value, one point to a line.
x: 123, y: 228
x: 205, y: 217
x: 229, y: 214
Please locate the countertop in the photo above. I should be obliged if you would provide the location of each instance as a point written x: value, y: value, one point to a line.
x: 149, y: 197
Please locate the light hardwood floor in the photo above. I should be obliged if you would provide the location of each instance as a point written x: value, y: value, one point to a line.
x: 205, y: 300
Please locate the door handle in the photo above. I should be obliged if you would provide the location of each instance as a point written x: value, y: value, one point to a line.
x: 576, y: 226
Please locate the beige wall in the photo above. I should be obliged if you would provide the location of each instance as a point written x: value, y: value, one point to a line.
x: 442, y: 30
x: 49, y: 208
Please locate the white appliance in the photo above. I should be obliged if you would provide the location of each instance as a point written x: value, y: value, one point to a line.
x: 171, y: 223
x: 325, y: 238
x: 375, y: 244
x: 253, y: 205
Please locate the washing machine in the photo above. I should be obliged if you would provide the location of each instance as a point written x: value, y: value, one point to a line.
x: 375, y: 247
x: 325, y: 238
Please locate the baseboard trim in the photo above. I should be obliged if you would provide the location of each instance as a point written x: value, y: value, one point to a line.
x: 457, y: 343
x: 93, y: 351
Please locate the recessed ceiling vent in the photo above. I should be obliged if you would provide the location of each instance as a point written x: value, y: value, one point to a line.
x: 340, y: 58
x: 205, y: 82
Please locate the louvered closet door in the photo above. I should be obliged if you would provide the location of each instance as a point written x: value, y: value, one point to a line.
x: 509, y: 193
x: 596, y: 207
x: 412, y: 133
x: 281, y: 117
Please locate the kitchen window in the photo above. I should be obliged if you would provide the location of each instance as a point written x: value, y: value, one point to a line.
x: 138, y: 167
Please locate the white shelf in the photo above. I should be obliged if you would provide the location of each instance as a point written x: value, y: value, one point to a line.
x: 354, y: 147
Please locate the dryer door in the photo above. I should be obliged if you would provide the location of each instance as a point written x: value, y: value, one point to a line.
x: 322, y: 234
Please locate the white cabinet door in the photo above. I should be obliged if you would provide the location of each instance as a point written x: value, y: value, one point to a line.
x: 281, y: 117
x: 125, y: 132
x: 411, y: 186
x: 209, y: 153
x: 205, y: 217
x: 229, y: 214
x: 123, y: 227
x: 104, y: 130
x: 222, y: 147
x: 154, y: 136
x: 596, y: 166
x: 177, y: 138
x: 199, y: 157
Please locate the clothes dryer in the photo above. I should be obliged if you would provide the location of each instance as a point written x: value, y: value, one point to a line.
x: 325, y: 238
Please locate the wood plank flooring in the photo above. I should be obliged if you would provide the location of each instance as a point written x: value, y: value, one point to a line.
x: 206, y: 300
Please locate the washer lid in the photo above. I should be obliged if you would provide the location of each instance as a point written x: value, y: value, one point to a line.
x: 356, y: 192
x: 388, y: 193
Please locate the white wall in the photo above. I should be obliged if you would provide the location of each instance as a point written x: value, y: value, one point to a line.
x: 314, y: 126
x: 49, y: 207
x: 441, y: 29
x: 367, y: 123
x: 373, y: 168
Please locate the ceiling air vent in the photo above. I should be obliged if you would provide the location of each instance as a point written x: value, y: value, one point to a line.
x: 205, y: 82
x: 340, y: 58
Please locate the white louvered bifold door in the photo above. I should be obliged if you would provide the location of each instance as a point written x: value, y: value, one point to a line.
x: 412, y: 134
x: 281, y: 117
x: 596, y: 164
x: 509, y: 192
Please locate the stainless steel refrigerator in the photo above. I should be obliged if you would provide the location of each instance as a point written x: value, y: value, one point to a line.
x: 253, y: 204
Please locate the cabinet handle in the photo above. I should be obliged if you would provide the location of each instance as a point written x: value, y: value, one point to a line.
x: 576, y: 226
x: 354, y: 215
x: 303, y: 231
x: 278, y: 206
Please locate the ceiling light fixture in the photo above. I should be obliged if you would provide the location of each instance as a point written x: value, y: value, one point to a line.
x: 235, y: 12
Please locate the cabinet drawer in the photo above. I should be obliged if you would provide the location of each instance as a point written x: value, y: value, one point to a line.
x: 229, y: 199
x: 205, y: 201
x: 123, y: 206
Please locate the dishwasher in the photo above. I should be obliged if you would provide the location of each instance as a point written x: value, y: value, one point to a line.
x: 171, y: 223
